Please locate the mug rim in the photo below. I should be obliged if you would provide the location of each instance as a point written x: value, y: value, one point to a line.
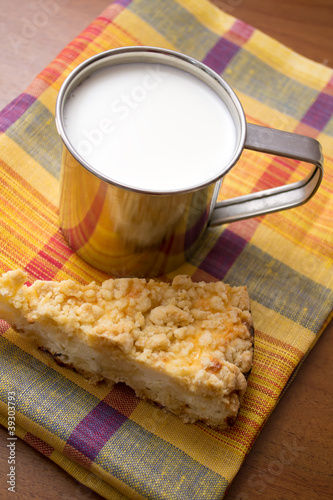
x: 154, y: 55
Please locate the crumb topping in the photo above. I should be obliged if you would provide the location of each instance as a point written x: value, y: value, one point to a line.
x: 198, y: 330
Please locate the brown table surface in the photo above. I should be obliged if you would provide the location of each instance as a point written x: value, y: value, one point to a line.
x: 302, y: 421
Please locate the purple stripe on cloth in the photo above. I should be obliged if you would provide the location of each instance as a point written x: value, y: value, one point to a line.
x: 14, y: 110
x: 95, y: 430
x: 124, y: 3
x: 220, y: 55
x: 320, y: 112
x: 225, y: 252
x: 191, y: 235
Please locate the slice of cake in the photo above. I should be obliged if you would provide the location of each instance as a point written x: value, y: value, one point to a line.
x: 187, y: 346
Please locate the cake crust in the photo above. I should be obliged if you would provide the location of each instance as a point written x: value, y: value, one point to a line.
x: 187, y: 346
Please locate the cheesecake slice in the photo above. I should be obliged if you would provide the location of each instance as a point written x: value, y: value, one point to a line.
x: 186, y: 346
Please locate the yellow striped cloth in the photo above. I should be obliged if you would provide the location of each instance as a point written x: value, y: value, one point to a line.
x: 109, y: 440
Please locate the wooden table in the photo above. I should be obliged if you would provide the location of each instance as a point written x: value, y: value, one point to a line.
x: 292, y: 458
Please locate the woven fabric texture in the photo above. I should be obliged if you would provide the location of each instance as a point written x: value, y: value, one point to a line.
x: 109, y: 440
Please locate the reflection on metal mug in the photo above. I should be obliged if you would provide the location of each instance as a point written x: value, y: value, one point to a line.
x: 148, y: 136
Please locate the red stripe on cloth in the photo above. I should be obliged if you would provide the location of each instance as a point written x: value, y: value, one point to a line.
x: 235, y: 432
x: 239, y: 33
x: 278, y: 375
x: 19, y: 192
x: 122, y: 399
x: 76, y: 456
x: 311, y: 125
x: 3, y: 326
x: 38, y: 444
x: 245, y: 431
x: 18, y: 218
x: 264, y: 379
x: 329, y: 87
x: 50, y: 258
x: 304, y: 129
x: 269, y: 339
x: 257, y: 406
x: 245, y: 228
x: 265, y: 390
x: 278, y: 172
x: 128, y: 33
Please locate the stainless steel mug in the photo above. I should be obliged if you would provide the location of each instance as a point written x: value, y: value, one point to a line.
x: 126, y: 231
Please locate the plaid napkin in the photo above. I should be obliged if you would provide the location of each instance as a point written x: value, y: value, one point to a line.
x: 108, y: 439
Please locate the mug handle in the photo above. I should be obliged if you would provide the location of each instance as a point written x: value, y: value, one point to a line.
x: 276, y: 142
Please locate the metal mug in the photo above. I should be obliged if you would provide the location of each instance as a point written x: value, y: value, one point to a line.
x: 125, y: 231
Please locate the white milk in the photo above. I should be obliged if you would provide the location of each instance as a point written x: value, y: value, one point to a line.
x: 150, y: 126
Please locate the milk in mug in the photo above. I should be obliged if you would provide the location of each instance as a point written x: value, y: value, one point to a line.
x: 150, y: 127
